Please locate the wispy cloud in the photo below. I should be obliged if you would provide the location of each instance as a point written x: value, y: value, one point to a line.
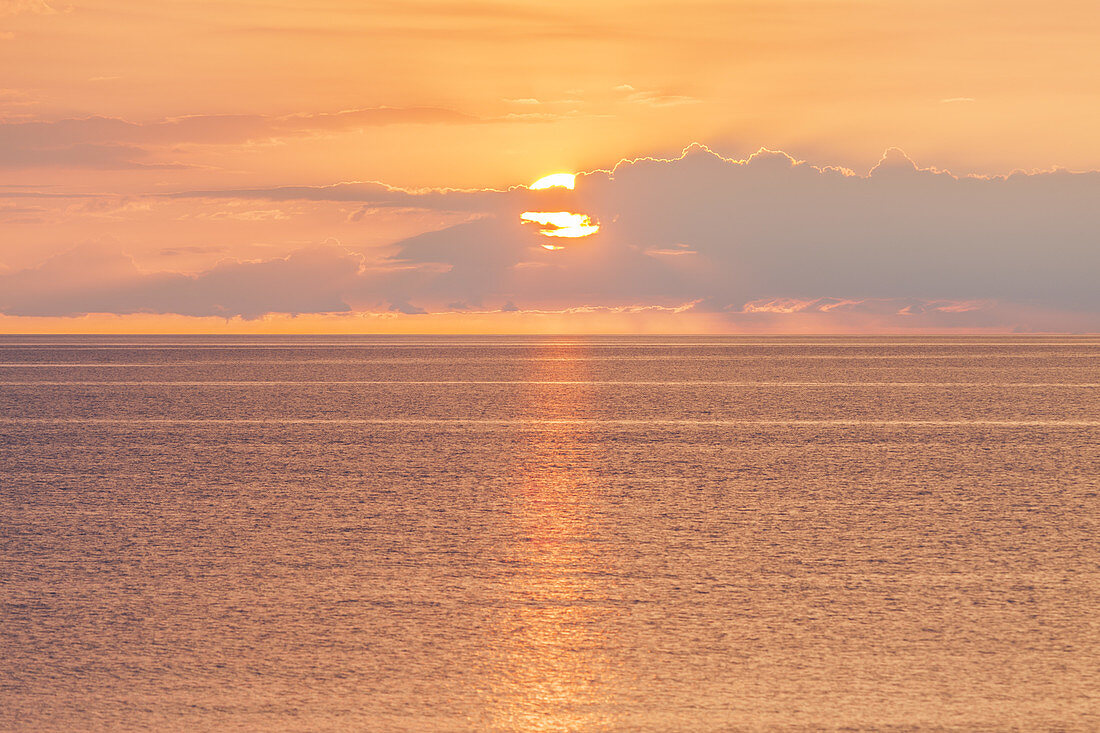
x: 653, y: 98
x: 83, y: 155
x: 88, y: 142
x: 16, y: 7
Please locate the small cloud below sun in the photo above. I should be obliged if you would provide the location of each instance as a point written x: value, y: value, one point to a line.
x: 560, y: 224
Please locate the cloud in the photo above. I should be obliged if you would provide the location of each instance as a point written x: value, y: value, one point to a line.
x: 10, y: 98
x: 193, y: 250
x: 651, y: 98
x: 215, y: 128
x: 17, y: 7
x: 100, y: 279
x: 84, y: 155
x: 406, y: 308
x: 111, y: 142
x: 658, y: 99
x: 763, y: 243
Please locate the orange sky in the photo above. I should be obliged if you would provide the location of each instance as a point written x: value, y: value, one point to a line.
x: 106, y: 105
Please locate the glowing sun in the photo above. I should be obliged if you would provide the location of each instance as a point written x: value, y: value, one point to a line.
x: 559, y: 223
x: 555, y: 180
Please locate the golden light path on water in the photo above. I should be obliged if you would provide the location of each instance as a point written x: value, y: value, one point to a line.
x: 554, y: 673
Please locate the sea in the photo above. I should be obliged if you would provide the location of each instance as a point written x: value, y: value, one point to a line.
x: 544, y: 533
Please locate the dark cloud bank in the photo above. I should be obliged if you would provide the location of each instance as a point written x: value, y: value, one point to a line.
x: 766, y: 238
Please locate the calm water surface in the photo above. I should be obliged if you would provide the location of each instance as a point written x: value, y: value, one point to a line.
x: 533, y: 534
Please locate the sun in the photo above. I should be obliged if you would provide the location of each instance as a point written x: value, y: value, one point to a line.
x: 554, y: 180
x: 565, y: 224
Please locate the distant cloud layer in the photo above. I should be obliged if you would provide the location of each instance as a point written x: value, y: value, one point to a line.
x: 112, y: 143
x: 766, y: 240
x: 98, y: 279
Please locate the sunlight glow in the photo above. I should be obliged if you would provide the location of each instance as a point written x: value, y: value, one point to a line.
x: 561, y: 223
x: 562, y: 180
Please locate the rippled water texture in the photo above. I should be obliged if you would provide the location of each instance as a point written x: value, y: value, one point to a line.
x: 535, y: 534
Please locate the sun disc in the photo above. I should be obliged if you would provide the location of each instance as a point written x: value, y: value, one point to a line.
x: 554, y: 180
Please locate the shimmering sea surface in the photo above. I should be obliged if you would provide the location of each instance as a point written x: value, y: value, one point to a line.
x: 543, y: 534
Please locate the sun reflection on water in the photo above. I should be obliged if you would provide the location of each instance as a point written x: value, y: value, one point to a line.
x: 556, y: 669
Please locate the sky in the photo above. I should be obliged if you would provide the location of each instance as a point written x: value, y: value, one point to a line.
x: 764, y: 166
